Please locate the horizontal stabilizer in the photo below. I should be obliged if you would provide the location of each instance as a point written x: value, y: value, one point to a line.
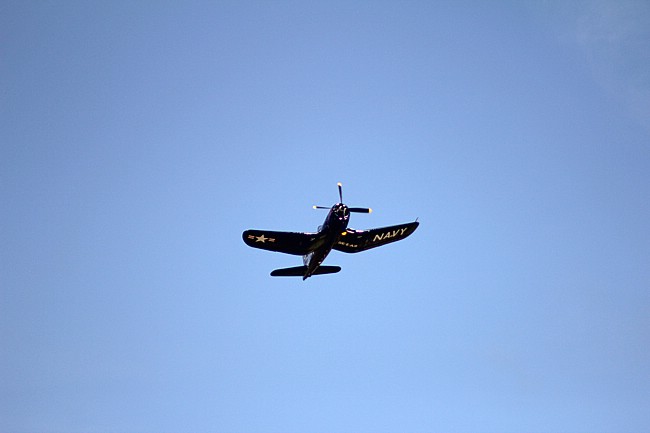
x: 300, y: 271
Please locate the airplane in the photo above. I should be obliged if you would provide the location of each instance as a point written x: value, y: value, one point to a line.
x: 333, y: 234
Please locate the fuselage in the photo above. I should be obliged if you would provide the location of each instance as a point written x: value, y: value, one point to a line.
x: 328, y: 235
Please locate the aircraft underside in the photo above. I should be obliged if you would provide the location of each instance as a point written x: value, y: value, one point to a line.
x: 333, y: 234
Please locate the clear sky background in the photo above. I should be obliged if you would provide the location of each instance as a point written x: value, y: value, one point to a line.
x: 139, y: 139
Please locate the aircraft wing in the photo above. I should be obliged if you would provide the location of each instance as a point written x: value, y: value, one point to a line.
x: 282, y: 242
x: 356, y: 241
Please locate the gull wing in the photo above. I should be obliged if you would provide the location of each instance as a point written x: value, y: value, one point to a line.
x: 282, y: 242
x: 355, y: 241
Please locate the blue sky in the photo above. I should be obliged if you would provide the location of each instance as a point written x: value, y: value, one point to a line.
x: 139, y: 139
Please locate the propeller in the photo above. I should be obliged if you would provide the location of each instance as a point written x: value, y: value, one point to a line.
x: 360, y: 209
x: 351, y: 209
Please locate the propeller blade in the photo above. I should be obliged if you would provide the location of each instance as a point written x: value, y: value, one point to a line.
x: 360, y: 209
x: 320, y: 207
x: 340, y: 191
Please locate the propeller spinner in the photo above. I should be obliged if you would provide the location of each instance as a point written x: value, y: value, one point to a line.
x: 351, y: 209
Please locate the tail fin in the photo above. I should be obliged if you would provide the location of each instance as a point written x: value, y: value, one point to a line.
x: 300, y: 271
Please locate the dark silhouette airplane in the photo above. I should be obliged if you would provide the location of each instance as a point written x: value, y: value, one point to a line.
x: 333, y: 234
